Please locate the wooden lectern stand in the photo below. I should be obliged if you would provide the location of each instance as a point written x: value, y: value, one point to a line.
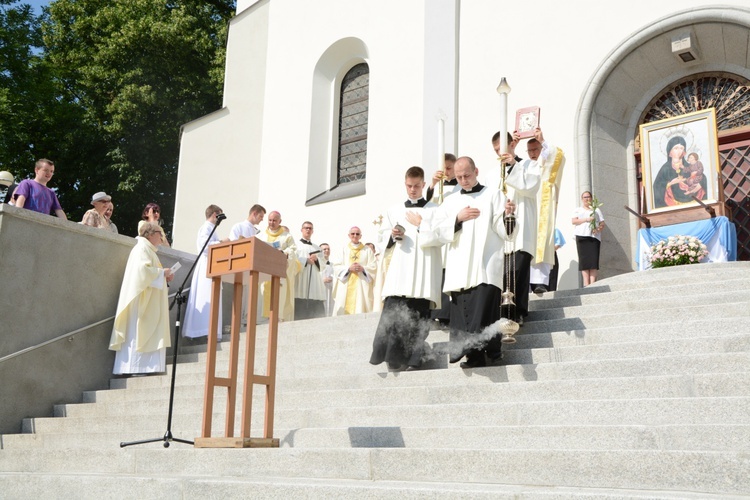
x: 237, y: 260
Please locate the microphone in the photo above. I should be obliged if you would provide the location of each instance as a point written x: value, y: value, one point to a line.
x: 219, y: 218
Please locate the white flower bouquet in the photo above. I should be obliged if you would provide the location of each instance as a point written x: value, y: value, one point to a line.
x: 677, y: 251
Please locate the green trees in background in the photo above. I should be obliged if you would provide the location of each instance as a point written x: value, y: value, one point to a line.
x: 102, y: 87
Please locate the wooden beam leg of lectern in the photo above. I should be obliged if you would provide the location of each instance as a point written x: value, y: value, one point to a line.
x: 213, y: 325
x: 234, y: 354
x: 252, y: 320
x: 273, y: 330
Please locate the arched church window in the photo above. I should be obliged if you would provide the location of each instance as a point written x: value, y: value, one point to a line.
x: 353, y: 118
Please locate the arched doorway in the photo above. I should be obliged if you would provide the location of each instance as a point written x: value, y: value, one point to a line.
x: 620, y: 94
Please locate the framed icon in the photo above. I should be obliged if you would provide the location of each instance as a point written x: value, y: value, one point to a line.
x: 680, y: 160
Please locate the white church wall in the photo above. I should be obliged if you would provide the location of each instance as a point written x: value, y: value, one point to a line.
x: 549, y: 55
x: 220, y: 152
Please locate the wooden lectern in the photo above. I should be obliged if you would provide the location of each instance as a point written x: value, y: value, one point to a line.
x: 242, y: 261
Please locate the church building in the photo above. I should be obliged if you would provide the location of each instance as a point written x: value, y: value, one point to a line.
x: 328, y: 102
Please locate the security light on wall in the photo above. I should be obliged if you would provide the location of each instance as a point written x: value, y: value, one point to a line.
x: 684, y: 47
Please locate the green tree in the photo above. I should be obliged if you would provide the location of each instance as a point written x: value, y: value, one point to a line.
x: 25, y: 89
x: 138, y: 70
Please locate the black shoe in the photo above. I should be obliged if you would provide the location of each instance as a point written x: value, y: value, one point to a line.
x: 474, y: 363
x: 495, y: 359
x: 540, y: 290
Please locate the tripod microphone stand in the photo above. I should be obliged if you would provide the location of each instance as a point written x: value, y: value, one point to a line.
x: 179, y: 299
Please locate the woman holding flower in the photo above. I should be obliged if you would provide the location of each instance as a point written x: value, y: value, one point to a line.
x: 589, y: 222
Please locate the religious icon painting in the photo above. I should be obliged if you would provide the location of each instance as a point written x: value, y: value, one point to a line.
x: 680, y: 160
x: 527, y: 119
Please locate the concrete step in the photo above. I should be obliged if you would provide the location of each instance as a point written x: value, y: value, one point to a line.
x: 644, y: 470
x: 640, y: 316
x: 708, y: 327
x: 357, y: 374
x: 90, y: 486
x: 651, y: 285
x: 628, y: 348
x: 646, y: 411
x: 156, y: 401
x: 455, y: 389
x: 712, y: 437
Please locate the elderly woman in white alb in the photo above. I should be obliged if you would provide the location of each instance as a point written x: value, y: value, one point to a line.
x: 141, y: 331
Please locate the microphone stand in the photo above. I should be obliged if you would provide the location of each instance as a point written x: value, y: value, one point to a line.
x: 179, y: 299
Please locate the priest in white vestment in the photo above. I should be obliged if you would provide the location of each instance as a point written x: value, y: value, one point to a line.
x: 278, y: 237
x: 551, y: 161
x: 354, y: 270
x: 412, y: 285
x: 309, y: 292
x: 472, y: 224
x: 141, y: 330
x: 198, y: 308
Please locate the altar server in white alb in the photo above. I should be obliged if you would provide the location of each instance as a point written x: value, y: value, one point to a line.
x: 198, y: 308
x: 141, y: 331
x: 326, y: 270
x: 248, y: 227
x: 354, y: 270
x: 310, y: 292
x: 412, y: 284
x: 472, y: 224
x: 523, y: 179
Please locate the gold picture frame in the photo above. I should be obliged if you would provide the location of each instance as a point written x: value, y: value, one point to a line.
x: 680, y: 159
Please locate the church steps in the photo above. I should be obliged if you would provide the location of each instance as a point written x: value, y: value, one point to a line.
x: 733, y: 286
x: 704, y: 302
x: 670, y: 470
x: 709, y: 327
x: 198, y: 488
x: 612, y: 368
x: 569, y: 319
x: 187, y: 488
x: 624, y: 390
x: 709, y: 437
x: 630, y: 347
x: 725, y: 385
x: 481, y: 389
x: 634, y: 411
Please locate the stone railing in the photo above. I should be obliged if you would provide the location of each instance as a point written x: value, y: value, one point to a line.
x: 58, y: 277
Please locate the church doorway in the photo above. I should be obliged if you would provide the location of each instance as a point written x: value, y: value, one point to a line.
x: 729, y: 94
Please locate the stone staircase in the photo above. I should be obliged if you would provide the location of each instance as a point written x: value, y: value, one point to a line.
x: 637, y: 387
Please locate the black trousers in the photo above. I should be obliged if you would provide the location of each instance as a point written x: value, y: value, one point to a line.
x: 522, y: 278
x: 444, y: 313
x: 308, y: 309
x: 471, y: 311
x: 402, y: 330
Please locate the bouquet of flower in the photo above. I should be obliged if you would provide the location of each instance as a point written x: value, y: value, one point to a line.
x: 677, y: 250
x: 594, y: 219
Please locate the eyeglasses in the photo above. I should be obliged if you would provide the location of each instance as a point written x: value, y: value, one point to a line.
x: 307, y: 227
x: 355, y: 234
